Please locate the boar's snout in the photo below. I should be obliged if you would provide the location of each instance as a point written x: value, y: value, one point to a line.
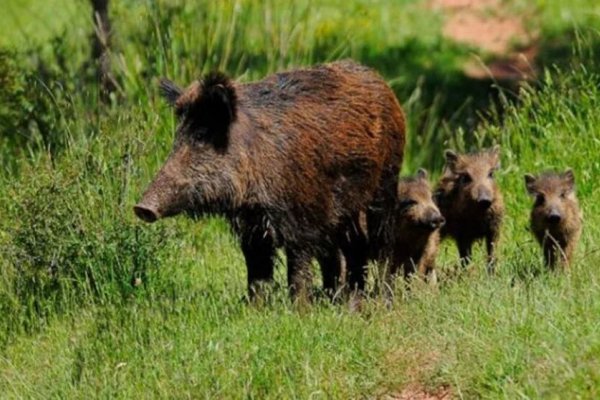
x: 167, y: 195
x: 146, y: 213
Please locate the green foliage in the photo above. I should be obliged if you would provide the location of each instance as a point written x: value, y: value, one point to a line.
x: 69, y: 238
x: 59, y: 255
x: 30, y: 113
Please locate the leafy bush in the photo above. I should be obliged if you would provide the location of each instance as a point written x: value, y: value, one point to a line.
x: 67, y: 247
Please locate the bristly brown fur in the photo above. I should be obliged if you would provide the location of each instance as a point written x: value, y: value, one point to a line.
x: 471, y: 202
x: 555, y: 198
x: 291, y: 161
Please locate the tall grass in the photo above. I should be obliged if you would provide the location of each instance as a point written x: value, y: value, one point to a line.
x: 73, y: 325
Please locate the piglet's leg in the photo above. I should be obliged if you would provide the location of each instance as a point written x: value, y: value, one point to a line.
x: 464, y: 251
x: 549, y: 255
x: 491, y: 241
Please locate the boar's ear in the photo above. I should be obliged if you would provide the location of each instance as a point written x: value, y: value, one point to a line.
x: 451, y: 159
x: 216, y: 107
x: 569, y: 177
x: 530, y: 183
x: 169, y: 90
x: 495, y: 153
x: 422, y: 174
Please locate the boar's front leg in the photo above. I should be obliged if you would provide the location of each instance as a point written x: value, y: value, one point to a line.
x: 259, y: 252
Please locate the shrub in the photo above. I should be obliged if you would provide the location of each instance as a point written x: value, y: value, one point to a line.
x: 67, y: 247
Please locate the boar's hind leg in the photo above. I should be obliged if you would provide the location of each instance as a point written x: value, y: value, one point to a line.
x: 354, y: 245
x: 380, y: 218
x: 331, y: 270
x: 259, y: 252
x: 299, y: 273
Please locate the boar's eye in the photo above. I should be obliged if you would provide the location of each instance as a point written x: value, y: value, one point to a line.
x: 539, y: 199
x: 464, y: 179
x: 563, y: 195
x: 491, y: 174
x: 405, y: 204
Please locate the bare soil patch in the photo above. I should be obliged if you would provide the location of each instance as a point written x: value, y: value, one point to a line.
x: 494, y: 32
x: 423, y: 364
x: 415, y: 392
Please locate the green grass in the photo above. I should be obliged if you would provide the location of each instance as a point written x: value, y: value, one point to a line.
x: 72, y: 326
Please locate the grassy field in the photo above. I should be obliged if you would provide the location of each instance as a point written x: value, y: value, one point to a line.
x: 72, y: 325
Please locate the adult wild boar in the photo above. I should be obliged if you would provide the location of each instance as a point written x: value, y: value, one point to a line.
x: 290, y: 161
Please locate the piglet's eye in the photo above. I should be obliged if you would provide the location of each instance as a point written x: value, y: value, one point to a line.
x: 563, y: 195
x: 491, y: 174
x: 463, y: 179
x: 539, y: 199
x: 405, y: 204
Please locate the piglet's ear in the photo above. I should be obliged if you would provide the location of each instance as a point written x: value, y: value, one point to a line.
x: 169, y: 91
x: 569, y: 177
x: 451, y: 159
x: 495, y: 153
x: 530, y: 183
x: 422, y: 174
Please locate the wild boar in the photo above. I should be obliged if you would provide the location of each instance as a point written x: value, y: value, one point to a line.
x: 290, y: 161
x: 417, y: 228
x: 556, y: 216
x: 471, y: 202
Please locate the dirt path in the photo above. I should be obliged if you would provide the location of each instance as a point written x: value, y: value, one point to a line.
x: 498, y: 34
x: 414, y: 392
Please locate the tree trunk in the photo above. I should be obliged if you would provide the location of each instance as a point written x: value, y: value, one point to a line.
x: 101, y: 49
